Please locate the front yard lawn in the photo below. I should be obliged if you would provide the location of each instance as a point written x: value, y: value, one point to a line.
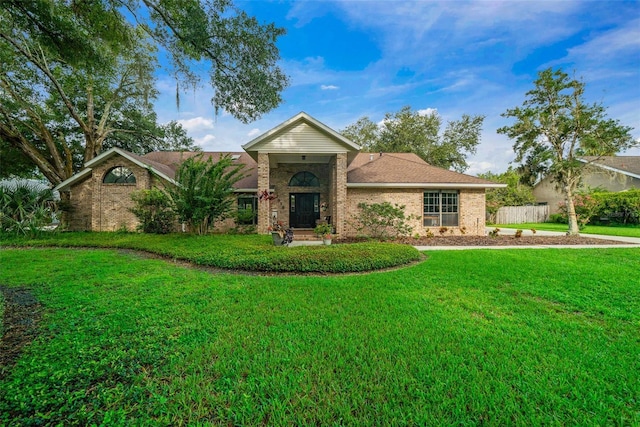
x: 510, y: 337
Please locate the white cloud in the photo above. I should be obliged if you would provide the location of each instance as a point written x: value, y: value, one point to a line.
x: 621, y: 41
x: 196, y: 124
x: 253, y: 132
x: 478, y: 167
x: 428, y: 112
x: 329, y: 87
x: 206, y: 142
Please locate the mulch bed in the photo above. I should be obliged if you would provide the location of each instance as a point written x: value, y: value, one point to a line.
x: 22, y: 313
x: 496, y: 241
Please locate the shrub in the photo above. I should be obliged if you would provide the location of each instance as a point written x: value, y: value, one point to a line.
x: 204, y: 193
x: 383, y: 220
x: 558, y: 218
x: 619, y: 208
x: 153, y: 210
x: 586, y: 207
x: 25, y: 208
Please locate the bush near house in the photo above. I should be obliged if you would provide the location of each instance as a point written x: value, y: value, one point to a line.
x: 153, y: 209
x: 382, y: 220
x: 603, y: 207
x: 618, y: 208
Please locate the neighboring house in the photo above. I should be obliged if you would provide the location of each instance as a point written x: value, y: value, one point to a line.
x: 311, y: 172
x: 610, y: 173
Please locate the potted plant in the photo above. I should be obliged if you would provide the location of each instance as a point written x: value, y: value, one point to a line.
x: 324, y: 231
x: 280, y: 235
x: 277, y: 232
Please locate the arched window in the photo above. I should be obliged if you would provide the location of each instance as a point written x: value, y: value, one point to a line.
x: 119, y: 175
x: 304, y: 179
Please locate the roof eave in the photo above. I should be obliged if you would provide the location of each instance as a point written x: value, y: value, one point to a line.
x: 103, y: 156
x: 445, y: 185
x: 609, y: 168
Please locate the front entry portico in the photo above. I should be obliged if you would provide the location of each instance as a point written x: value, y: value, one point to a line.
x: 302, y: 164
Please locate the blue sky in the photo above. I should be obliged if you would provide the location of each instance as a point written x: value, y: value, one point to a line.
x: 348, y: 59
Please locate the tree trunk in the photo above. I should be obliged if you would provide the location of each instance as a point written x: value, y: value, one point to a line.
x: 574, y: 230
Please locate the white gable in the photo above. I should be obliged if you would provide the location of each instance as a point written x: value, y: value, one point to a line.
x: 301, y: 134
x: 302, y: 138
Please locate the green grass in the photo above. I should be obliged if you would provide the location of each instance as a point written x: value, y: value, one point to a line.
x: 1, y: 315
x: 627, y: 231
x: 509, y: 337
x: 249, y: 252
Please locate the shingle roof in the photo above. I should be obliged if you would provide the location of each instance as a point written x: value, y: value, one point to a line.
x: 171, y: 160
x: 404, y: 168
x: 624, y: 164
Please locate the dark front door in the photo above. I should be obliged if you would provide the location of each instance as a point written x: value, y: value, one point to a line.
x: 304, y: 210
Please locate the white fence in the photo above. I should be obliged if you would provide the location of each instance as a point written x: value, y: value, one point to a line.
x: 522, y: 214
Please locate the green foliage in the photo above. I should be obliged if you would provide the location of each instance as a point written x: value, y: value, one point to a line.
x: 558, y: 218
x: 619, y: 208
x: 78, y: 77
x: 323, y: 230
x: 586, y: 207
x: 382, y: 220
x: 524, y: 337
x: 154, y: 211
x: 614, y: 208
x: 515, y: 194
x: 408, y: 131
x: 240, y: 252
x: 204, y: 193
x: 554, y: 127
x: 25, y: 208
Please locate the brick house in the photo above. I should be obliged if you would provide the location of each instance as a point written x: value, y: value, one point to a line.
x: 311, y: 172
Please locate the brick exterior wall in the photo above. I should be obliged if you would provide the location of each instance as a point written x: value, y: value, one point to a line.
x: 80, y: 202
x: 280, y: 177
x: 97, y: 206
x: 264, y: 206
x: 105, y: 207
x: 341, y: 193
x: 471, y: 212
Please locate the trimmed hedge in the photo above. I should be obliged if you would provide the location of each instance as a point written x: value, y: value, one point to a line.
x: 240, y: 252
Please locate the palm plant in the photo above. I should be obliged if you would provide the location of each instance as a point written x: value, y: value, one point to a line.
x: 25, y: 208
x: 204, y: 193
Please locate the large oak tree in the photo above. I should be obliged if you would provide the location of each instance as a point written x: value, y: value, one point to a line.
x: 555, y: 126
x: 78, y: 76
x: 408, y: 131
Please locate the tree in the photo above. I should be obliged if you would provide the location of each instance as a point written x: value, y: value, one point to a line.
x: 516, y: 193
x: 78, y: 77
x: 556, y: 123
x: 413, y: 132
x: 204, y: 193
